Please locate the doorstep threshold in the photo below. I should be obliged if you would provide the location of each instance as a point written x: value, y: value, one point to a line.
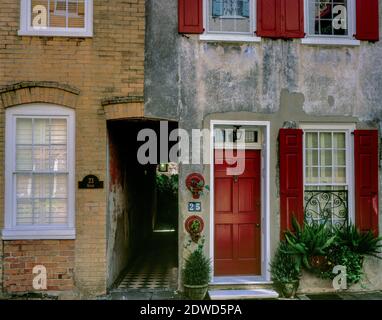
x: 234, y: 280
x: 258, y: 294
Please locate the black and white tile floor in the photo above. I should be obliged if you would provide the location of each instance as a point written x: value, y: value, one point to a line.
x: 156, y: 269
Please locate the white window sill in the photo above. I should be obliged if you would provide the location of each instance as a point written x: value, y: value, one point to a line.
x: 55, y: 33
x: 330, y: 41
x: 39, y: 234
x: 229, y: 38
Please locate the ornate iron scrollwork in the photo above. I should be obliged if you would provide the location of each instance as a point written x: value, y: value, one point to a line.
x: 327, y: 206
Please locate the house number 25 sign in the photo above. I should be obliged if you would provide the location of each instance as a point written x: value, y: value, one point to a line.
x: 194, y: 207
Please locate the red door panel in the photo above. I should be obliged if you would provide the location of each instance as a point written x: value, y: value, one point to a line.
x: 237, y: 217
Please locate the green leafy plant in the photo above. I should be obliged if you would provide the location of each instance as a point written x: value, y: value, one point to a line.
x: 195, y: 226
x: 344, y: 256
x: 363, y: 243
x: 197, y: 270
x: 167, y: 184
x: 284, y: 266
x: 309, y: 241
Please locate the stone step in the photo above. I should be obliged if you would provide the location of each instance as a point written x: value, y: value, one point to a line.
x: 255, y: 294
x: 240, y: 286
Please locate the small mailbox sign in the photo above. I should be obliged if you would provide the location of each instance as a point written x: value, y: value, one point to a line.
x: 90, y: 182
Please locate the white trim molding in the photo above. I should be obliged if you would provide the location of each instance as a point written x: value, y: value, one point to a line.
x: 26, y: 28
x: 11, y: 230
x: 265, y: 209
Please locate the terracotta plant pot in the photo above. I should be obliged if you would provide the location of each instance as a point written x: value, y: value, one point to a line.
x: 195, y: 292
x: 289, y: 289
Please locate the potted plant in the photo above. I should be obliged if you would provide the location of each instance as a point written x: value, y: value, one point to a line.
x: 285, y: 271
x: 197, y: 275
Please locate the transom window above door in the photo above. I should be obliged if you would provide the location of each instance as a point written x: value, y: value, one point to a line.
x: 56, y: 18
x: 230, y: 16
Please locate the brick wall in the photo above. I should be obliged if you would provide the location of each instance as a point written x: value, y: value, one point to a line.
x: 20, y: 257
x: 110, y: 64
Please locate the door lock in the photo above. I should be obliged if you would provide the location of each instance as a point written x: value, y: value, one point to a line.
x: 257, y: 225
x: 235, y: 179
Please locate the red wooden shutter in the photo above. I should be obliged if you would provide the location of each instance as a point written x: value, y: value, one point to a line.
x: 291, y: 177
x: 268, y: 18
x: 366, y: 179
x: 292, y: 19
x: 367, y: 20
x: 190, y: 16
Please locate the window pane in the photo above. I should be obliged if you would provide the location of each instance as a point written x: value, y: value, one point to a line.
x: 41, y: 131
x: 311, y: 140
x: 41, y: 158
x: 24, y: 186
x: 340, y: 175
x: 58, y: 158
x: 311, y: 175
x: 326, y: 158
x: 311, y: 157
x: 59, y: 212
x: 24, y: 212
x: 24, y: 131
x: 326, y: 175
x: 23, y: 158
x: 229, y: 16
x: 339, y: 140
x: 340, y: 158
x: 60, y: 186
x: 58, y: 131
x: 42, y: 185
x: 326, y: 140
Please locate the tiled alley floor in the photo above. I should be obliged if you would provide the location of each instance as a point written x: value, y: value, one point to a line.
x: 156, y: 268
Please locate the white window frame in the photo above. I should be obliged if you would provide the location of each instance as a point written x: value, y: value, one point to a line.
x: 27, y: 30
x: 348, y: 128
x: 332, y: 39
x: 11, y: 231
x: 230, y: 36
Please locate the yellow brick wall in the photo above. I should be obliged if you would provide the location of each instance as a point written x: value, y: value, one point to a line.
x: 109, y: 64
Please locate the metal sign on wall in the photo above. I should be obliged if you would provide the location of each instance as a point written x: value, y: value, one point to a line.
x: 90, y: 182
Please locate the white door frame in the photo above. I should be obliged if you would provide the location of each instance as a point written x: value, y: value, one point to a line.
x: 265, y: 206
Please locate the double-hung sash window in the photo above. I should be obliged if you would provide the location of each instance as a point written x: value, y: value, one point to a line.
x: 39, y: 172
x: 328, y: 179
x: 230, y: 16
x: 56, y: 18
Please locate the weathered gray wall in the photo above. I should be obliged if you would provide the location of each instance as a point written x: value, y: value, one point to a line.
x: 187, y: 78
x: 194, y: 81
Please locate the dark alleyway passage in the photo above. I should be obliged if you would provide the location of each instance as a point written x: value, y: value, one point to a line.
x: 156, y: 266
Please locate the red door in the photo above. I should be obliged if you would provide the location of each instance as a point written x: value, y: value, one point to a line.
x: 238, y: 216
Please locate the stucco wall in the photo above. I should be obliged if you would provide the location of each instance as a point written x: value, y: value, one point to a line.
x: 274, y: 80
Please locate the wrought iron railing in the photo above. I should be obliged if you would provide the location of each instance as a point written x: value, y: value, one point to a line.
x: 327, y: 206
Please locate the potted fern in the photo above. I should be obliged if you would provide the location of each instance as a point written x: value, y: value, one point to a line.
x: 285, y: 271
x: 197, y: 275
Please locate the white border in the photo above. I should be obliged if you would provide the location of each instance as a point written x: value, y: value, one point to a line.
x: 27, y: 30
x: 265, y: 210
x: 230, y: 36
x: 332, y: 40
x: 332, y: 127
x: 11, y: 231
